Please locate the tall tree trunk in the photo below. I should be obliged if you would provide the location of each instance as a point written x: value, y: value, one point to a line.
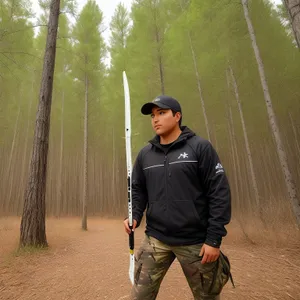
x: 61, y: 155
x: 199, y: 86
x: 33, y: 227
x: 198, y: 80
x: 113, y: 188
x: 295, y: 139
x: 236, y: 169
x: 10, y: 178
x: 25, y: 162
x: 295, y: 133
x: 231, y: 143
x: 235, y: 157
x: 293, y: 9
x: 85, y: 159
x: 272, y: 120
x: 160, y: 64
x: 249, y: 155
x: 241, y: 193
x: 159, y: 55
x: 215, y: 136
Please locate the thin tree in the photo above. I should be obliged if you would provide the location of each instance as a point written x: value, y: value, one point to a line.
x: 85, y: 155
x: 25, y: 162
x: 61, y: 155
x: 33, y: 229
x: 89, y: 71
x: 199, y: 86
x: 249, y: 155
x: 159, y: 42
x: 294, y: 133
x: 293, y: 9
x: 12, y: 150
x: 272, y: 119
x: 197, y: 77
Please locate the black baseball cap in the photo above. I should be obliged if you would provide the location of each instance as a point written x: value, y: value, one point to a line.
x: 163, y: 101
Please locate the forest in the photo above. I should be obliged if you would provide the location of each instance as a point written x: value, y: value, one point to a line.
x: 233, y: 65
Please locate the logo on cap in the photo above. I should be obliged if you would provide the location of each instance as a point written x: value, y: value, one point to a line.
x: 156, y: 100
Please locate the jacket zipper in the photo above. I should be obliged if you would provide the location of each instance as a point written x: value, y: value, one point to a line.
x: 166, y: 183
x: 167, y: 174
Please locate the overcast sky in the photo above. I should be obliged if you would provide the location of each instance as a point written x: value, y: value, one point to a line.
x: 107, y: 7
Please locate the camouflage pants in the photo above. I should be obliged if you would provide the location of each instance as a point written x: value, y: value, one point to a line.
x: 154, y: 259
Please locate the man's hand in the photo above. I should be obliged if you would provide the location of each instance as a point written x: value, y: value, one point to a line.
x: 209, y: 254
x: 126, y: 225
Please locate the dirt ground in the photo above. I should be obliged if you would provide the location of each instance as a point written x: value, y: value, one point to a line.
x: 94, y: 265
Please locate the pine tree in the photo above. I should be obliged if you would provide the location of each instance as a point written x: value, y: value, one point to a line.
x: 33, y: 231
x: 89, y: 70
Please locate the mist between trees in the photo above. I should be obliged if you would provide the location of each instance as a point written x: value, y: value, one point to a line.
x: 233, y: 65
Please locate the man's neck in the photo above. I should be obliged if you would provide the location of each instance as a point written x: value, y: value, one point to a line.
x: 171, y: 137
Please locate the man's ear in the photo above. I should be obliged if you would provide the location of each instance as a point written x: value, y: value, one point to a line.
x: 178, y: 116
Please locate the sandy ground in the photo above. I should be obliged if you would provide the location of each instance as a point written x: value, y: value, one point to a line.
x: 94, y: 265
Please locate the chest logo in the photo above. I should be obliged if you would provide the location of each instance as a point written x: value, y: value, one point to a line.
x: 183, y: 155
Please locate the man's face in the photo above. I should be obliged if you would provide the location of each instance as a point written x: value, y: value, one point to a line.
x: 163, y: 121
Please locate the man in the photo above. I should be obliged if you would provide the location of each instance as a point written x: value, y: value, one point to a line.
x: 179, y: 178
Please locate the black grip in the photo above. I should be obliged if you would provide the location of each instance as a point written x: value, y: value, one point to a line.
x: 131, y: 239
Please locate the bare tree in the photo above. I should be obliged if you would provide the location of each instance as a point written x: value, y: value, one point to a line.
x: 197, y: 75
x: 293, y: 9
x: 294, y: 133
x: 249, y: 155
x: 25, y: 162
x: 13, y: 145
x: 272, y: 119
x: 199, y: 86
x: 85, y: 158
x: 61, y: 155
x: 158, y: 40
x: 33, y: 231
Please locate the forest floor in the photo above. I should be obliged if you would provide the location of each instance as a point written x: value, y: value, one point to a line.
x: 94, y: 264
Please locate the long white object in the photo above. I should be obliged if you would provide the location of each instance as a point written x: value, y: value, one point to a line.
x: 129, y: 168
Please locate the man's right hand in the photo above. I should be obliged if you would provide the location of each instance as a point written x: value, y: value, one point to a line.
x: 126, y: 225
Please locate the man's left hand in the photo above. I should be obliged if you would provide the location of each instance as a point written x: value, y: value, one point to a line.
x: 210, y: 254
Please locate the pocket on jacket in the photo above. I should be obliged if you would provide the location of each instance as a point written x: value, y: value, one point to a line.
x: 149, y: 209
x: 156, y: 216
x: 183, y: 214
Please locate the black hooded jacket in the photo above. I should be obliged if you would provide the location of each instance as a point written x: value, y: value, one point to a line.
x: 185, y: 190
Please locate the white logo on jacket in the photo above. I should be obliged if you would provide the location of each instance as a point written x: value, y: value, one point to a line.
x: 183, y: 155
x: 219, y: 168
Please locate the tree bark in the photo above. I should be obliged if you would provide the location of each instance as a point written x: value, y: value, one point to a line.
x: 33, y: 228
x: 25, y: 162
x: 272, y: 120
x: 293, y: 9
x: 61, y: 155
x: 199, y: 86
x: 9, y: 171
x: 295, y: 133
x: 159, y: 55
x: 249, y: 155
x: 85, y: 160
x: 113, y: 166
x: 198, y: 81
x: 241, y: 193
x: 160, y: 63
x: 231, y: 143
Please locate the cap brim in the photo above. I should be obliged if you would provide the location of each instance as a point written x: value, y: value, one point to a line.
x: 147, y: 107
